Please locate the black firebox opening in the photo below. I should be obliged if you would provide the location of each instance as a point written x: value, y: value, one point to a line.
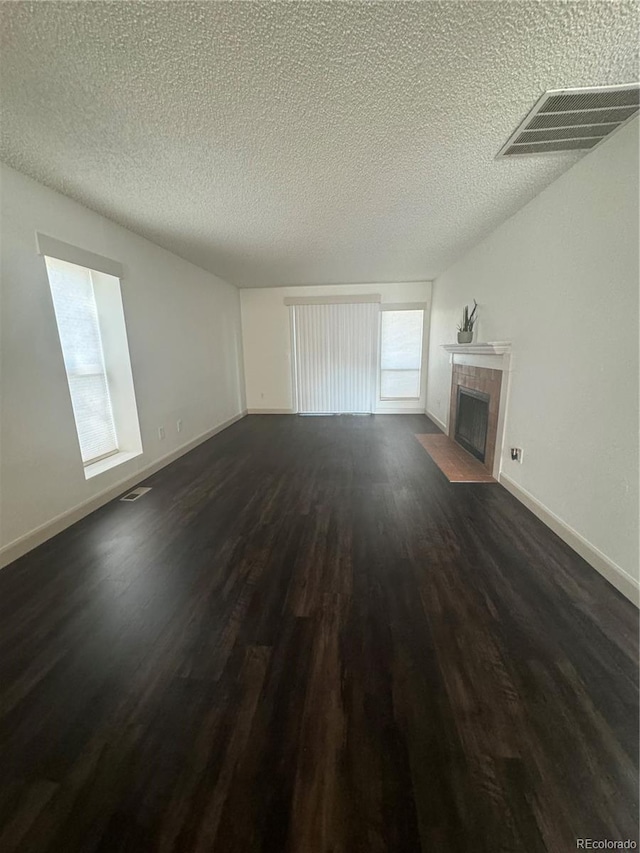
x: 471, y: 421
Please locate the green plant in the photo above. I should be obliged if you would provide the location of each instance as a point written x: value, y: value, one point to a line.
x: 468, y: 320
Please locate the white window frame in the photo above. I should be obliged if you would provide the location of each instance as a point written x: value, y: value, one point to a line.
x: 106, y: 277
x: 402, y: 306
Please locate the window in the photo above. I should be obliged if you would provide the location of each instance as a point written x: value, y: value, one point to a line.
x: 79, y: 329
x: 87, y: 303
x: 401, y: 354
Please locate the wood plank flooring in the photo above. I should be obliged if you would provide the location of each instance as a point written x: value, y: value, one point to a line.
x: 304, y: 640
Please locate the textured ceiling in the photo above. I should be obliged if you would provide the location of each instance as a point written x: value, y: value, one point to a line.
x: 278, y: 143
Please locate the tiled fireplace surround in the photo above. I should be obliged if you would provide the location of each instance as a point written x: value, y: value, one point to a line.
x: 483, y: 367
x: 484, y: 379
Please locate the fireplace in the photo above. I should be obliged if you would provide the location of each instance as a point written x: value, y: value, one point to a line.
x: 472, y: 420
x: 479, y: 384
x: 475, y: 391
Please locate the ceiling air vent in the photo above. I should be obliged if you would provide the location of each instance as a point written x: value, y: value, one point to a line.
x: 572, y: 120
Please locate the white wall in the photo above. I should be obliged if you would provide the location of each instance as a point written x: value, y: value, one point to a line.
x: 560, y: 280
x: 267, y: 339
x: 184, y: 332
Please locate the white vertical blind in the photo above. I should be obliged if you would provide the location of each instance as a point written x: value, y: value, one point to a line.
x: 401, y: 354
x: 79, y: 330
x: 335, y: 352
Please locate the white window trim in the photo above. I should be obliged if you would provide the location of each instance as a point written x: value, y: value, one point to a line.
x: 355, y: 299
x: 51, y: 247
x: 402, y: 306
x: 108, y: 462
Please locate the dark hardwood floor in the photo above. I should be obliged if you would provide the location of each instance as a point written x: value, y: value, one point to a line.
x: 305, y: 640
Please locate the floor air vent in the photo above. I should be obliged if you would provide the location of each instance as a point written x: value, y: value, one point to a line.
x: 572, y: 120
x: 136, y: 493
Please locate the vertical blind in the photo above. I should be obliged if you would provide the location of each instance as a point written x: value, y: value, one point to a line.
x: 79, y: 330
x: 401, y: 354
x: 335, y: 357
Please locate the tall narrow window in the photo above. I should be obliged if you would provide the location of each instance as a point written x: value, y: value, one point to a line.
x: 76, y: 313
x: 401, y: 354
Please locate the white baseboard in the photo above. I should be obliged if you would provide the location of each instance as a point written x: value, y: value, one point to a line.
x: 399, y: 411
x: 617, y: 576
x: 13, y: 550
x: 437, y: 421
x: 270, y: 412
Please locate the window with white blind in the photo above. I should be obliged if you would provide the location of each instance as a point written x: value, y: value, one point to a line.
x: 401, y: 354
x: 76, y: 313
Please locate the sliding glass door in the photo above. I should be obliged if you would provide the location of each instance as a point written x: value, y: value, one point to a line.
x: 335, y: 350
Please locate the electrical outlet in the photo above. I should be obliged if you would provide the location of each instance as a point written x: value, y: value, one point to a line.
x: 160, y: 433
x: 516, y: 454
x: 179, y: 424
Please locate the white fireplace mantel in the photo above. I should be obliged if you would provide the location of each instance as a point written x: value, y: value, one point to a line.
x: 490, y: 348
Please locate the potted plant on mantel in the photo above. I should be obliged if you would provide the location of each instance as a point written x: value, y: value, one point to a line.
x: 465, y: 329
